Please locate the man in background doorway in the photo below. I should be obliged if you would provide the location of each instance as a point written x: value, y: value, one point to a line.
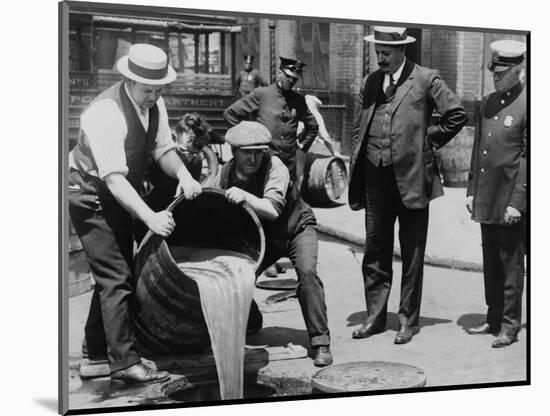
x: 249, y: 78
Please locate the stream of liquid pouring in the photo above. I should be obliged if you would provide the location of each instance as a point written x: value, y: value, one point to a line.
x: 226, y: 286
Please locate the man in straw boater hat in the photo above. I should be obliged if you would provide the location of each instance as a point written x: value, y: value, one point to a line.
x: 280, y: 109
x: 119, y: 131
x: 249, y: 78
x: 496, y: 194
x: 393, y: 173
x: 260, y: 179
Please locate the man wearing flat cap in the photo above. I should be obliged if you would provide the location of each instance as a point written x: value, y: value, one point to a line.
x: 393, y: 173
x: 120, y: 129
x: 249, y: 78
x: 496, y: 194
x: 279, y: 108
x: 256, y: 177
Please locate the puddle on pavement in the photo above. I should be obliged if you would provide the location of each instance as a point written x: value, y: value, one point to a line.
x: 102, y: 392
x: 180, y: 391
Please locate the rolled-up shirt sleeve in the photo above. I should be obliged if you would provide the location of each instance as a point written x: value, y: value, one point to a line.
x: 105, y: 129
x: 164, y: 142
x: 276, y: 184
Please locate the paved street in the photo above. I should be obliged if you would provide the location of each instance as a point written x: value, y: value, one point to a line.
x: 452, y: 300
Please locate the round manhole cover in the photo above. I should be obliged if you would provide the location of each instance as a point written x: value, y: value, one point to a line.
x: 277, y: 284
x: 368, y: 375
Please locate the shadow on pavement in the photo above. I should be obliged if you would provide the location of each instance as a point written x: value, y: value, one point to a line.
x: 359, y: 318
x: 277, y: 336
x: 469, y: 320
x: 474, y: 319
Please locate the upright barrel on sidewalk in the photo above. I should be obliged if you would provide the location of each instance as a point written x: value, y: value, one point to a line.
x: 168, y: 315
x: 454, y: 159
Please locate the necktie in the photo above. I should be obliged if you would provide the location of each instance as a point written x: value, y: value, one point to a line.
x: 390, y: 89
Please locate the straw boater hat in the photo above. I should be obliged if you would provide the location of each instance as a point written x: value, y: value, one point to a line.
x: 505, y: 54
x: 147, y: 64
x: 387, y: 35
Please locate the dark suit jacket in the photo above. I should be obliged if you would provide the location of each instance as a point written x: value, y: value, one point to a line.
x: 419, y: 91
x: 500, y: 149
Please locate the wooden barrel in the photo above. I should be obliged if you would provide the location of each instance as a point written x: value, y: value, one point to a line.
x: 168, y: 316
x: 79, y: 270
x: 454, y: 159
x: 325, y: 180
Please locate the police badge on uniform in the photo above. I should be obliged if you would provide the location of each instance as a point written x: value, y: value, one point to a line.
x: 508, y: 120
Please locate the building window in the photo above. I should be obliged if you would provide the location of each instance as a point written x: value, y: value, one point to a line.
x: 249, y: 38
x: 313, y: 49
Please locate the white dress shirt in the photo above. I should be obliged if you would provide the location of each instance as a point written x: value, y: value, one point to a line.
x: 395, y: 76
x: 105, y: 127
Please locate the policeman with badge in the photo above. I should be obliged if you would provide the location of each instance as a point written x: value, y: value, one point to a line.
x: 496, y: 194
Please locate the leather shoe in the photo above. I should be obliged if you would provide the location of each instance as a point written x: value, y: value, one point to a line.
x: 484, y: 328
x: 140, y: 374
x: 504, y: 339
x: 404, y: 335
x: 365, y: 331
x: 322, y: 356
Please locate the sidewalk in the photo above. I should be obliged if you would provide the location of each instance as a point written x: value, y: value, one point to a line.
x: 454, y: 240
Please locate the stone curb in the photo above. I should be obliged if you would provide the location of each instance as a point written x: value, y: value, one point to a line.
x: 430, y: 259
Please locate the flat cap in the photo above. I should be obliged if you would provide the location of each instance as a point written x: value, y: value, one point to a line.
x: 248, y: 135
x: 505, y: 53
x: 291, y: 67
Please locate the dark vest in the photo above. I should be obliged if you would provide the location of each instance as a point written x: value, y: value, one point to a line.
x: 137, y: 145
x: 296, y: 214
x: 379, y: 132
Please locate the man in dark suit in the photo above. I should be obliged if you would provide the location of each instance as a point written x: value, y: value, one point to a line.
x: 496, y: 194
x: 393, y: 173
x: 249, y: 78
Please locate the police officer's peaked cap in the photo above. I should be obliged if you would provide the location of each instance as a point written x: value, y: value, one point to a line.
x: 291, y: 67
x: 248, y: 135
x: 505, y: 53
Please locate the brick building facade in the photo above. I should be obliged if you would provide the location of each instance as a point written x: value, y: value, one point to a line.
x: 338, y: 58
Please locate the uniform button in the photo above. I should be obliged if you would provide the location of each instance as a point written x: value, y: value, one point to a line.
x: 495, y: 117
x: 508, y: 93
x: 502, y: 101
x: 482, y: 170
x: 489, y: 134
x: 484, y: 152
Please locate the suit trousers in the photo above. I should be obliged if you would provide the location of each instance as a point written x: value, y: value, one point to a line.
x: 383, y: 206
x: 503, y: 269
x: 107, y: 238
x: 302, y: 250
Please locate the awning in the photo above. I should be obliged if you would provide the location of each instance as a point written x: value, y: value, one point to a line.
x: 166, y: 24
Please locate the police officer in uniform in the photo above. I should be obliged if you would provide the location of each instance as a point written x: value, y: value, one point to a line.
x: 249, y: 78
x: 279, y: 108
x: 496, y: 194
